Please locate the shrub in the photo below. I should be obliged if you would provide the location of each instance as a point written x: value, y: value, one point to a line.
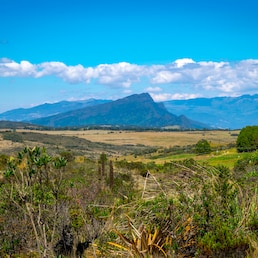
x: 33, y: 188
x: 202, y: 147
x: 3, y: 161
x: 12, y: 136
x: 67, y: 155
x: 247, y: 140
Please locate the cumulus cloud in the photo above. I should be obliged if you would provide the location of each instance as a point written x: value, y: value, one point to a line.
x: 184, y: 61
x: 120, y: 74
x: 9, y: 68
x: 222, y: 78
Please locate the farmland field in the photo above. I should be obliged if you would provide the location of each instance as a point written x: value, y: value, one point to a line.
x: 151, y: 138
x: 145, y: 146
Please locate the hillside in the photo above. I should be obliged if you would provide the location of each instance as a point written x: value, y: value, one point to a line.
x: 136, y: 110
x: 16, y: 125
x: 220, y: 112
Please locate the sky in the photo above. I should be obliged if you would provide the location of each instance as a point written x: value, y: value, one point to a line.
x: 54, y: 50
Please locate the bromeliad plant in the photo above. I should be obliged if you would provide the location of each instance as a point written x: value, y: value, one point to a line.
x: 142, y: 242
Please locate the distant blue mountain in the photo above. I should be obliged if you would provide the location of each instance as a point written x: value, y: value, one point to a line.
x: 44, y: 110
x: 219, y: 112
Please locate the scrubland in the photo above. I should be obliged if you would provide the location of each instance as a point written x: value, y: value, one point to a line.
x: 126, y: 194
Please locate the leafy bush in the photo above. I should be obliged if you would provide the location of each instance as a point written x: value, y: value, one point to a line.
x: 68, y: 155
x: 247, y: 139
x: 202, y: 147
x: 33, y: 188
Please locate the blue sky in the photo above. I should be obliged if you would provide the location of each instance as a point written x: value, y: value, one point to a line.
x: 53, y: 50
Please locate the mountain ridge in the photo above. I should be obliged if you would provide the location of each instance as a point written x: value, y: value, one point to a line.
x: 135, y: 110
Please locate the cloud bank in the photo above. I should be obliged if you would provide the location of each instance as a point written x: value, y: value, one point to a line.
x: 181, y: 79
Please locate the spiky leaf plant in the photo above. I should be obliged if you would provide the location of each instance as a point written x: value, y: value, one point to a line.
x: 142, y: 242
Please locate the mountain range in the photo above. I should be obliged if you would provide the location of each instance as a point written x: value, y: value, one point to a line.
x: 219, y: 112
x: 141, y: 111
x: 138, y: 110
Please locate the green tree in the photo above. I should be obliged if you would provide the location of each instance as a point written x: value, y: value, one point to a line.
x: 202, y: 147
x: 247, y: 139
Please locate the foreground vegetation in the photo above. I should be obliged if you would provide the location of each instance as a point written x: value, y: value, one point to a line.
x: 165, y: 202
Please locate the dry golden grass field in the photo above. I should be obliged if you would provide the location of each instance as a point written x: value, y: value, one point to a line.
x: 151, y: 138
x: 124, y: 144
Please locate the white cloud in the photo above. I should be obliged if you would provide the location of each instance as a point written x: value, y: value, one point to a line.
x: 184, y: 61
x: 119, y: 74
x: 166, y: 77
x: 153, y: 89
x: 9, y: 68
x: 168, y: 96
x: 221, y: 77
x: 207, y: 76
x: 50, y: 68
